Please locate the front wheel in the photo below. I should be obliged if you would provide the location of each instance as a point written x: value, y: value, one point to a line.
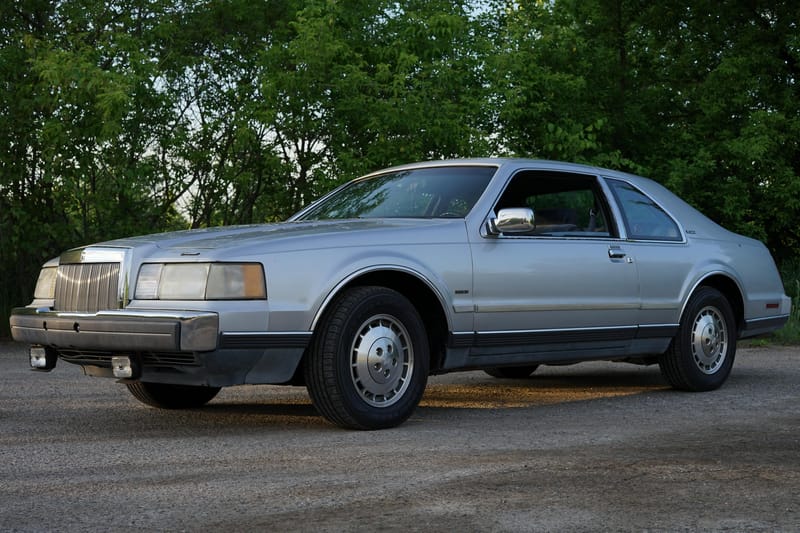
x: 701, y: 355
x: 368, y: 364
x: 166, y: 396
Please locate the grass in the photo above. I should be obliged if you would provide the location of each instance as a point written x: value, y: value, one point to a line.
x: 790, y: 333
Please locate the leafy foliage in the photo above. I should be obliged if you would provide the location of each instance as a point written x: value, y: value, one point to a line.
x: 134, y: 116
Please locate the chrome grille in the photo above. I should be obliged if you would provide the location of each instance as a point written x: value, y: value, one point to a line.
x: 87, y: 287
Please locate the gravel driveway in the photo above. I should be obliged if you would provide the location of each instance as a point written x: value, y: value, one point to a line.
x: 592, y: 447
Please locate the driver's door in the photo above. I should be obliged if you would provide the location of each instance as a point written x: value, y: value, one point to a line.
x: 569, y: 284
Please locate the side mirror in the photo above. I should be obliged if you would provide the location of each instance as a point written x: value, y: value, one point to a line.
x: 511, y: 220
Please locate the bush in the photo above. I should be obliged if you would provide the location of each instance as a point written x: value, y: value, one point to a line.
x: 790, y: 333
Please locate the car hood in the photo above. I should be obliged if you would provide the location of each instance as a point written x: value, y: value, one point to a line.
x: 287, y: 236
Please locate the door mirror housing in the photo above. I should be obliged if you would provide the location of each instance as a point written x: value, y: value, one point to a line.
x: 512, y: 220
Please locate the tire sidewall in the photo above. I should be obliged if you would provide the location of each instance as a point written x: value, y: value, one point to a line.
x: 391, y: 303
x: 695, y: 378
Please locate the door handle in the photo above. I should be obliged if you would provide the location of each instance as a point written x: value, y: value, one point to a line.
x: 615, y: 252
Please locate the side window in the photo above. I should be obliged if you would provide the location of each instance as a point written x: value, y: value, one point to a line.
x: 644, y: 219
x: 563, y: 204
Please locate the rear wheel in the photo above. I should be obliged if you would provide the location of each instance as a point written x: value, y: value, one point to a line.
x: 368, y: 364
x: 166, y: 396
x: 511, y: 372
x: 701, y: 355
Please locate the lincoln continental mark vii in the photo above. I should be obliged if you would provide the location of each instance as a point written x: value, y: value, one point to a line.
x: 494, y: 264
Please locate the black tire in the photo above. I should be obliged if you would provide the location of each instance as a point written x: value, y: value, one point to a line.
x: 701, y: 355
x: 511, y: 372
x: 368, y: 363
x: 166, y: 396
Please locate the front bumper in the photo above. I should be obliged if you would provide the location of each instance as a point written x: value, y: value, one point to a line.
x: 122, y: 330
x: 168, y: 346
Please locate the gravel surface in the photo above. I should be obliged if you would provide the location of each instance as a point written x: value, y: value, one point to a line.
x: 591, y: 447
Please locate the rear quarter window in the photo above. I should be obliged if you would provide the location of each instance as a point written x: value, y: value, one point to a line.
x: 643, y: 218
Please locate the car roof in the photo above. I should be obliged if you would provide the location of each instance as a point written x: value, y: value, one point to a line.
x: 543, y: 164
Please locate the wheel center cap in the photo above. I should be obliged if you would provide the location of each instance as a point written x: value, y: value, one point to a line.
x: 382, y: 360
x: 709, y: 339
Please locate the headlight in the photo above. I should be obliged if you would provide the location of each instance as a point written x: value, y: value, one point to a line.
x: 201, y: 281
x: 46, y: 284
x: 227, y: 281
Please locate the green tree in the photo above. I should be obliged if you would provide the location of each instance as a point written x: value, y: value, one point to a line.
x: 361, y: 85
x: 79, y: 125
x: 31, y: 218
x: 703, y: 97
x: 223, y: 153
x: 732, y: 113
x: 134, y: 116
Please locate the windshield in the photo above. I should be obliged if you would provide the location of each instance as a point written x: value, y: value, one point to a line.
x: 441, y: 192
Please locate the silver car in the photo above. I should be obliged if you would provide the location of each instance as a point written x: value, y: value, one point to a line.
x: 493, y: 264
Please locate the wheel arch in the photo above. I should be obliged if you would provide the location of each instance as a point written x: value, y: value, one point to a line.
x: 422, y: 294
x: 730, y: 289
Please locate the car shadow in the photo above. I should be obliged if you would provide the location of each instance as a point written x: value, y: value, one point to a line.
x: 256, y: 408
x: 468, y: 391
x: 545, y: 389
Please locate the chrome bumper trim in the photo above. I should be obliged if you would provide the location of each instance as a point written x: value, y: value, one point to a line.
x: 123, y: 329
